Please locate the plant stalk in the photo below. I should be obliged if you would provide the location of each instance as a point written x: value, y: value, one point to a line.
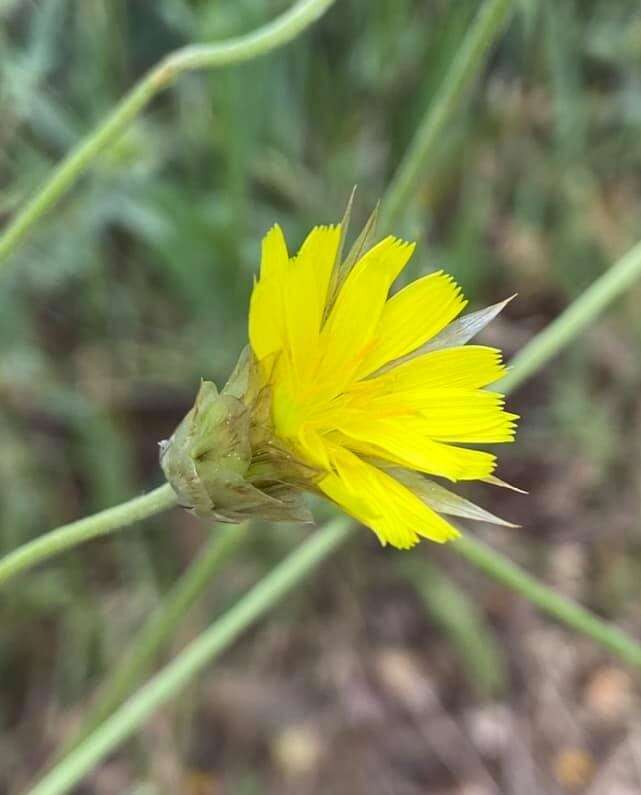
x: 98, y: 524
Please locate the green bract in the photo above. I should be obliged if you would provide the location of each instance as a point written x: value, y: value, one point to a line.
x: 223, y: 461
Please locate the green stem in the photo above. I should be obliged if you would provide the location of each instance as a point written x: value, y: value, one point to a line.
x: 466, y: 65
x: 70, y: 535
x: 569, y: 613
x: 259, y: 42
x: 131, y: 669
x: 200, y: 653
x: 573, y: 320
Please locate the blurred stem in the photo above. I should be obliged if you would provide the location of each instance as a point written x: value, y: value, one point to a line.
x: 160, y: 626
x: 191, y: 661
x: 466, y: 65
x: 99, y: 524
x: 578, y: 316
x: 187, y: 59
x: 568, y: 612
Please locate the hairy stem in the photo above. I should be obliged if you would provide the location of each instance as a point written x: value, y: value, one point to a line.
x: 99, y: 524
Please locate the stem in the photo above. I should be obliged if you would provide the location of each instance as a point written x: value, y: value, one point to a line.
x: 243, y: 48
x: 140, y: 656
x: 191, y: 661
x: 466, y: 64
x: 573, y: 615
x: 70, y: 535
x: 573, y: 320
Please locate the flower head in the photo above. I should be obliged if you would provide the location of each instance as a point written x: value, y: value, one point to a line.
x: 354, y: 394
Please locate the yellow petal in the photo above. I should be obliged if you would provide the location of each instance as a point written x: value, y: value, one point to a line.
x: 449, y: 415
x: 395, y: 514
x: 346, y: 338
x: 314, y: 447
x: 468, y: 416
x: 266, y: 316
x: 402, y: 441
x: 413, y: 316
x: 470, y: 366
x: 274, y: 256
x: 305, y: 293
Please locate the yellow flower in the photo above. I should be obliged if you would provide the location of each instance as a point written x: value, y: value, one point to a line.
x: 348, y: 393
x: 371, y: 392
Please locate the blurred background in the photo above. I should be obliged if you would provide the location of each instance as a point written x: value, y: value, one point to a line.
x: 379, y: 676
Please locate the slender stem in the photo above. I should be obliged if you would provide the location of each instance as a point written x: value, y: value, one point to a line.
x: 466, y: 65
x: 569, y: 613
x: 70, y: 535
x: 132, y: 667
x: 573, y: 320
x: 243, y: 48
x: 201, y: 652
